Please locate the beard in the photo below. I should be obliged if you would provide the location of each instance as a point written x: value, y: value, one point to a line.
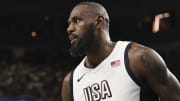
x: 83, y: 44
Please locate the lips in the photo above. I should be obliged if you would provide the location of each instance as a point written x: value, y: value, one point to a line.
x: 73, y: 38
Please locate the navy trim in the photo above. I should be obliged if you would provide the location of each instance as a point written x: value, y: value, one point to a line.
x: 71, y: 86
x: 126, y: 61
x: 146, y: 94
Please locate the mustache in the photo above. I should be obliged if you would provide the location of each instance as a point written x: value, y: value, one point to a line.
x: 72, y: 36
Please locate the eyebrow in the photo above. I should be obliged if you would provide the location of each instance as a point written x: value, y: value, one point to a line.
x: 73, y: 18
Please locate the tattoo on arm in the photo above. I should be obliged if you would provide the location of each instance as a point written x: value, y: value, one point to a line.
x: 158, y: 77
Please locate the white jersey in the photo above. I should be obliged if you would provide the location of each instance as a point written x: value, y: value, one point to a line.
x: 111, y: 80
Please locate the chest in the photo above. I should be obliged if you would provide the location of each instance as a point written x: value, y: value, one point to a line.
x: 107, y: 83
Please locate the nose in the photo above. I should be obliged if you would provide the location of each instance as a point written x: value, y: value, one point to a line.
x: 71, y: 28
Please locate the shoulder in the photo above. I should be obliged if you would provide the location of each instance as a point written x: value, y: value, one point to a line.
x: 67, y: 77
x: 65, y: 92
x: 145, y: 61
x: 150, y: 69
x: 66, y: 80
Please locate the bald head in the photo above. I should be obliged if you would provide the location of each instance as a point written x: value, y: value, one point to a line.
x: 96, y: 9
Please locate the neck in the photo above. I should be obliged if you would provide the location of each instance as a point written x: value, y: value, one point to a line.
x: 96, y: 57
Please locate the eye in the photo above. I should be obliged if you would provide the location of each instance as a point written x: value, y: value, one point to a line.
x: 76, y: 20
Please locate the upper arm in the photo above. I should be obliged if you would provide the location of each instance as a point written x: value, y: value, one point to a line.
x: 65, y: 92
x: 149, y: 66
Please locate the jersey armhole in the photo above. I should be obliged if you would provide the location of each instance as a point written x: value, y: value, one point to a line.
x: 127, y: 66
x: 71, y: 85
x: 146, y: 94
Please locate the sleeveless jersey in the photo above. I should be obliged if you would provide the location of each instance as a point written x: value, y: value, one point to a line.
x: 111, y: 80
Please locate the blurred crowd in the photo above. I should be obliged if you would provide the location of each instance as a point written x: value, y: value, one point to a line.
x: 28, y: 81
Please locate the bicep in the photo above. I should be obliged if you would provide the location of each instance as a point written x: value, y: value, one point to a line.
x: 65, y: 92
x: 158, y: 77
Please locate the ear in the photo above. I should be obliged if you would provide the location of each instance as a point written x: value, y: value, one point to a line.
x: 99, y: 21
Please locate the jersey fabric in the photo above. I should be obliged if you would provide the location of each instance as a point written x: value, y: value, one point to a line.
x: 111, y: 80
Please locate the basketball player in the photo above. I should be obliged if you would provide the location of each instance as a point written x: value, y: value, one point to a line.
x: 113, y: 71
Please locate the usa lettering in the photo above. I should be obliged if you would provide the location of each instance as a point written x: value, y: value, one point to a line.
x: 96, y: 92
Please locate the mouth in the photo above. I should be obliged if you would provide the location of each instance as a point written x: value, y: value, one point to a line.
x: 73, y: 38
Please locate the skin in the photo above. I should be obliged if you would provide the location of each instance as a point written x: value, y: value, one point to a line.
x: 146, y: 64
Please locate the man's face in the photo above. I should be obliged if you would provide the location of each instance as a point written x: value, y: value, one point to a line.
x: 81, y: 30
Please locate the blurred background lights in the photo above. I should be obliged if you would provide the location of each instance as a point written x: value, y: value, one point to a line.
x: 33, y: 34
x: 158, y: 20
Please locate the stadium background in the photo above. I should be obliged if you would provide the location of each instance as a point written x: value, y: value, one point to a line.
x: 34, y: 47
